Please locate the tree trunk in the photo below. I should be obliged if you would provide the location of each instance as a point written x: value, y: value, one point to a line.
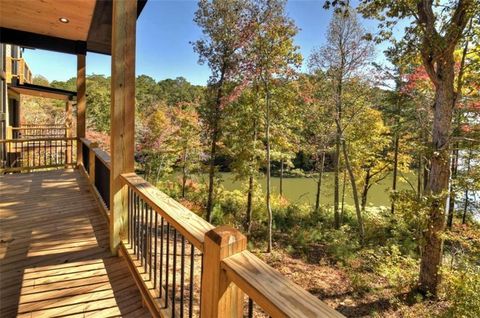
x: 420, y: 175
x: 213, y: 149
x: 395, y: 169
x: 336, y: 160
x: 465, y: 206
x: 281, y: 177
x: 211, y: 175
x: 336, y: 186
x: 342, y: 209
x: 361, y: 230
x: 248, y: 221
x: 438, y: 179
x: 267, y: 139
x: 319, y: 181
x: 366, y: 187
x: 451, y: 198
x: 184, y: 172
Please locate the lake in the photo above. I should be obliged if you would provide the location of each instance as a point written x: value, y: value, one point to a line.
x: 302, y: 189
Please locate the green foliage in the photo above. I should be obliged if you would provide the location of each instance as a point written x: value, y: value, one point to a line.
x: 462, y: 288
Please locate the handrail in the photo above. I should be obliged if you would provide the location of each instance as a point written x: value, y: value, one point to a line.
x: 274, y: 293
x: 190, y: 225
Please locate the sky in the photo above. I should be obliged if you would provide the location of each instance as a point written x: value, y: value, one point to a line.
x: 164, y: 32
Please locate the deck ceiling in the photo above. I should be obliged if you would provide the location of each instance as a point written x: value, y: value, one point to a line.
x: 36, y: 24
x: 42, y: 17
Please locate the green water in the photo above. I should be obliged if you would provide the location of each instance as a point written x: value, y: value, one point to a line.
x: 302, y: 189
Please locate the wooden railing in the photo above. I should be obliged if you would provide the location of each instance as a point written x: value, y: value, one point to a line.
x: 46, y: 131
x: 186, y: 267
x: 38, y: 153
x: 17, y: 67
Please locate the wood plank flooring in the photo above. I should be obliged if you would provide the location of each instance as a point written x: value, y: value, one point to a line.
x: 54, y: 256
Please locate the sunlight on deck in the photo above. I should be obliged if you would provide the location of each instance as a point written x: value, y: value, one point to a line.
x: 54, y: 257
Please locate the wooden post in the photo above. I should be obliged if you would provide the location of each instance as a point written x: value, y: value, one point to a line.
x: 122, y: 113
x: 220, y: 297
x: 68, y: 129
x: 81, y: 104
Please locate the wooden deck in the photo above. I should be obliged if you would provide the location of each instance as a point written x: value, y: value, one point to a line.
x: 54, y: 257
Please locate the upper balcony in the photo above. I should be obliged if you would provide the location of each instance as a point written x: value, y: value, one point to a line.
x: 17, y: 68
x: 87, y: 236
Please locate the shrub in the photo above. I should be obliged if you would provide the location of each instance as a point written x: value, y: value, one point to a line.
x: 462, y: 289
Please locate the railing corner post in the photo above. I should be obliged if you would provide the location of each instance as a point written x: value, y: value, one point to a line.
x: 220, y: 297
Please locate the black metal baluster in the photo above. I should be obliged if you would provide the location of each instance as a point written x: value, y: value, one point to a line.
x: 137, y: 243
x: 160, y: 273
x: 166, y: 264
x: 182, y: 275
x: 147, y: 235
x: 28, y: 154
x: 192, y: 267
x: 45, y: 153
x: 150, y: 254
x: 142, y: 237
x: 250, y: 307
x: 155, y: 253
x: 129, y: 223
x: 174, y: 271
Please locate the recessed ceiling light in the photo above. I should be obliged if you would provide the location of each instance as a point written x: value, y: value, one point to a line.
x: 63, y: 20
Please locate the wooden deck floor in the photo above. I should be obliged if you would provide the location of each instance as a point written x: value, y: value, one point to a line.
x: 54, y: 258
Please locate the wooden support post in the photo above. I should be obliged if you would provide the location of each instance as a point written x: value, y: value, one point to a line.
x: 68, y: 130
x: 81, y: 104
x: 91, y: 162
x: 220, y: 297
x: 122, y: 114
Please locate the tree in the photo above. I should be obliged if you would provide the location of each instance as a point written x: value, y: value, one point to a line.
x: 435, y: 31
x: 275, y: 57
x: 345, y: 54
x: 227, y: 27
x: 319, y: 127
x: 186, y: 139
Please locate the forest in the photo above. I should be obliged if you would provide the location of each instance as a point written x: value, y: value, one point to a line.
x: 414, y: 124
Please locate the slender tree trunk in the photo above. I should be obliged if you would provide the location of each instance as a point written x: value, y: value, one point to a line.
x: 438, y: 179
x: 319, y: 181
x: 361, y: 230
x: 366, y: 187
x: 338, y: 136
x: 248, y: 221
x: 465, y: 205
x: 342, y: 208
x: 267, y: 139
x: 184, y: 172
x: 211, y: 175
x: 451, y: 198
x: 213, y: 149
x: 395, y: 169
x: 420, y: 175
x: 281, y: 177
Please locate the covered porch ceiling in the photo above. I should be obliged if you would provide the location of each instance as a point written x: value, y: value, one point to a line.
x: 67, y: 26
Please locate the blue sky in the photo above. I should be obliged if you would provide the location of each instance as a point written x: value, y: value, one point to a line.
x: 164, y: 31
